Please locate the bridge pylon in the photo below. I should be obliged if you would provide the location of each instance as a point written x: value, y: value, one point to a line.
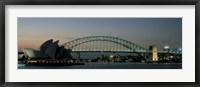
x: 154, y: 54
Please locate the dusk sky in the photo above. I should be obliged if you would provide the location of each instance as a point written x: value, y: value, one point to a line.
x: 32, y: 32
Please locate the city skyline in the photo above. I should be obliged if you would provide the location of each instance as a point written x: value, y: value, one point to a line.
x: 32, y: 32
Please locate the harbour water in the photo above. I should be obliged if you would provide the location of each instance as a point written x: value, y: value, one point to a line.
x: 109, y: 66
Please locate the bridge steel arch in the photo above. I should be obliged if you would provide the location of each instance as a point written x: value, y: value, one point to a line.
x: 130, y: 45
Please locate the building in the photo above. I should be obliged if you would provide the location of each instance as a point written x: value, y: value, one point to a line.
x: 48, y: 50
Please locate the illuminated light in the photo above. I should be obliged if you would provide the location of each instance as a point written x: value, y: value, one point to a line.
x: 111, y: 56
x: 166, y: 47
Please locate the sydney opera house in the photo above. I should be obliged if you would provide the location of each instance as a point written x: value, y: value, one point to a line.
x: 48, y: 50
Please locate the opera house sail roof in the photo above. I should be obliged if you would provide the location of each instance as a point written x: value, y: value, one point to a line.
x: 48, y: 49
x: 46, y: 44
x: 51, y: 50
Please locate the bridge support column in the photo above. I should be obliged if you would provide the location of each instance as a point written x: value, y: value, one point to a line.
x: 145, y: 56
x: 114, y: 55
x: 78, y: 57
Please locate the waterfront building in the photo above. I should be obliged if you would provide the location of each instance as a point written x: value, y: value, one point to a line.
x: 48, y: 50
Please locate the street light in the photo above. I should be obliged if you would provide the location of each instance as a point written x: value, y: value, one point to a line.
x: 166, y: 49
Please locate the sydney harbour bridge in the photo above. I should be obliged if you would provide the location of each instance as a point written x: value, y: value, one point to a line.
x: 110, y: 44
x: 103, y: 43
